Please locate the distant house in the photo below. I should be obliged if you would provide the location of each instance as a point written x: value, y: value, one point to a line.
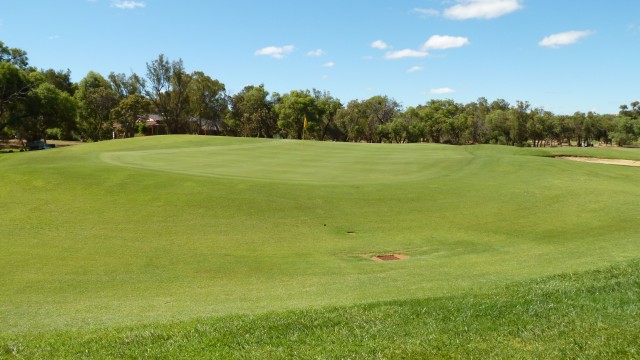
x: 154, y: 124
x: 205, y: 126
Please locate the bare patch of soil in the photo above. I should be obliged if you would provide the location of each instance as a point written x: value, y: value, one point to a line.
x: 602, y: 161
x: 389, y: 257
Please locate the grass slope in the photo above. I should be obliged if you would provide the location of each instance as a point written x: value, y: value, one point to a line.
x: 588, y: 315
x: 162, y: 229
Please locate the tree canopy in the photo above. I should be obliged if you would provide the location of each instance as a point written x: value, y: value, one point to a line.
x: 32, y: 102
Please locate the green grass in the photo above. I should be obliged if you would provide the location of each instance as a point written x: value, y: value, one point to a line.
x: 588, y: 315
x: 164, y: 230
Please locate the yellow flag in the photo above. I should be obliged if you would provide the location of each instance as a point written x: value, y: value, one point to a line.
x: 305, y: 122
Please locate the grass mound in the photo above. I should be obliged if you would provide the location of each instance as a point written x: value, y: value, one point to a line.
x: 594, y: 314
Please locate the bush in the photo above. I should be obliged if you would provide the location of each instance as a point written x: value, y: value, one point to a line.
x: 142, y: 129
x: 54, y: 134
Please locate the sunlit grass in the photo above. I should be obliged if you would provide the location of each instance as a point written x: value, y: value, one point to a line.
x: 163, y: 229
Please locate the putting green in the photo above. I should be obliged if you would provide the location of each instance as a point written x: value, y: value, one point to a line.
x: 176, y: 227
x: 305, y: 162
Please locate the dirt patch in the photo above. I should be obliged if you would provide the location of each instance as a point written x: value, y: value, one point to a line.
x: 601, y: 161
x: 389, y: 257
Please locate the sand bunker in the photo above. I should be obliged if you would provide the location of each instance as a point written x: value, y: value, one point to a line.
x: 602, y: 161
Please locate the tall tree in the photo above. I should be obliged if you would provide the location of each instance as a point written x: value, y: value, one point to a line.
x: 14, y: 89
x: 293, y: 109
x: 168, y: 89
x: 61, y: 80
x: 352, y: 121
x: 124, y: 86
x: 253, y: 113
x: 46, y: 107
x: 328, y: 110
x: 13, y: 56
x: 96, y: 100
x: 208, y: 101
x: 128, y: 111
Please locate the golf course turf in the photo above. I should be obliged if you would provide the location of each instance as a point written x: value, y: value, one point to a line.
x: 167, y: 235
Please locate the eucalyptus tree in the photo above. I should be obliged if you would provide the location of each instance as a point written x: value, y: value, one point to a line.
x: 518, y: 117
x: 124, y: 86
x: 378, y: 111
x: 252, y: 113
x: 15, y: 86
x: 328, y: 110
x: 540, y: 128
x: 208, y: 101
x: 13, y: 56
x: 167, y: 87
x: 46, y: 107
x: 61, y: 79
x: 352, y: 121
x: 128, y: 111
x: 437, y: 116
x: 294, y: 108
x: 96, y: 100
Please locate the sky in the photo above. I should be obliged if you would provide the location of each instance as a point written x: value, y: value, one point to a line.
x: 561, y: 55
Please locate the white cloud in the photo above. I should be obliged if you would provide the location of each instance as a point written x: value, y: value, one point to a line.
x: 127, y: 4
x: 275, y: 52
x: 441, y: 91
x: 425, y: 13
x: 566, y: 38
x: 481, y: 9
x: 414, y: 69
x: 316, y: 53
x: 380, y: 45
x: 329, y: 64
x: 406, y: 53
x: 54, y: 37
x: 441, y: 42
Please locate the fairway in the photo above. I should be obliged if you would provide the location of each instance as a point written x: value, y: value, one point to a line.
x: 172, y: 228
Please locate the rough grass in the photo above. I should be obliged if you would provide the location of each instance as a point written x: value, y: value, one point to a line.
x: 595, y: 314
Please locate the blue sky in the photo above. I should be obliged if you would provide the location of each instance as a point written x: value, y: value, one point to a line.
x: 563, y: 55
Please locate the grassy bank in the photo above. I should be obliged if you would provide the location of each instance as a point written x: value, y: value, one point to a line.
x: 594, y: 314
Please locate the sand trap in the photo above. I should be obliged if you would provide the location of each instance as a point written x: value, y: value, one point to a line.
x: 602, y: 161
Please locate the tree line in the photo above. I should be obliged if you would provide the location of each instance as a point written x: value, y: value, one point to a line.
x: 40, y: 104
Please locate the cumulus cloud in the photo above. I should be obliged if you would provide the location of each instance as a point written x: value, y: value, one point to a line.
x: 275, y: 51
x: 406, y: 53
x: 380, y: 45
x: 316, y: 53
x: 441, y: 42
x: 566, y: 38
x: 425, y: 13
x: 441, y: 91
x: 127, y: 4
x: 481, y: 9
x: 329, y: 64
x: 414, y: 69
